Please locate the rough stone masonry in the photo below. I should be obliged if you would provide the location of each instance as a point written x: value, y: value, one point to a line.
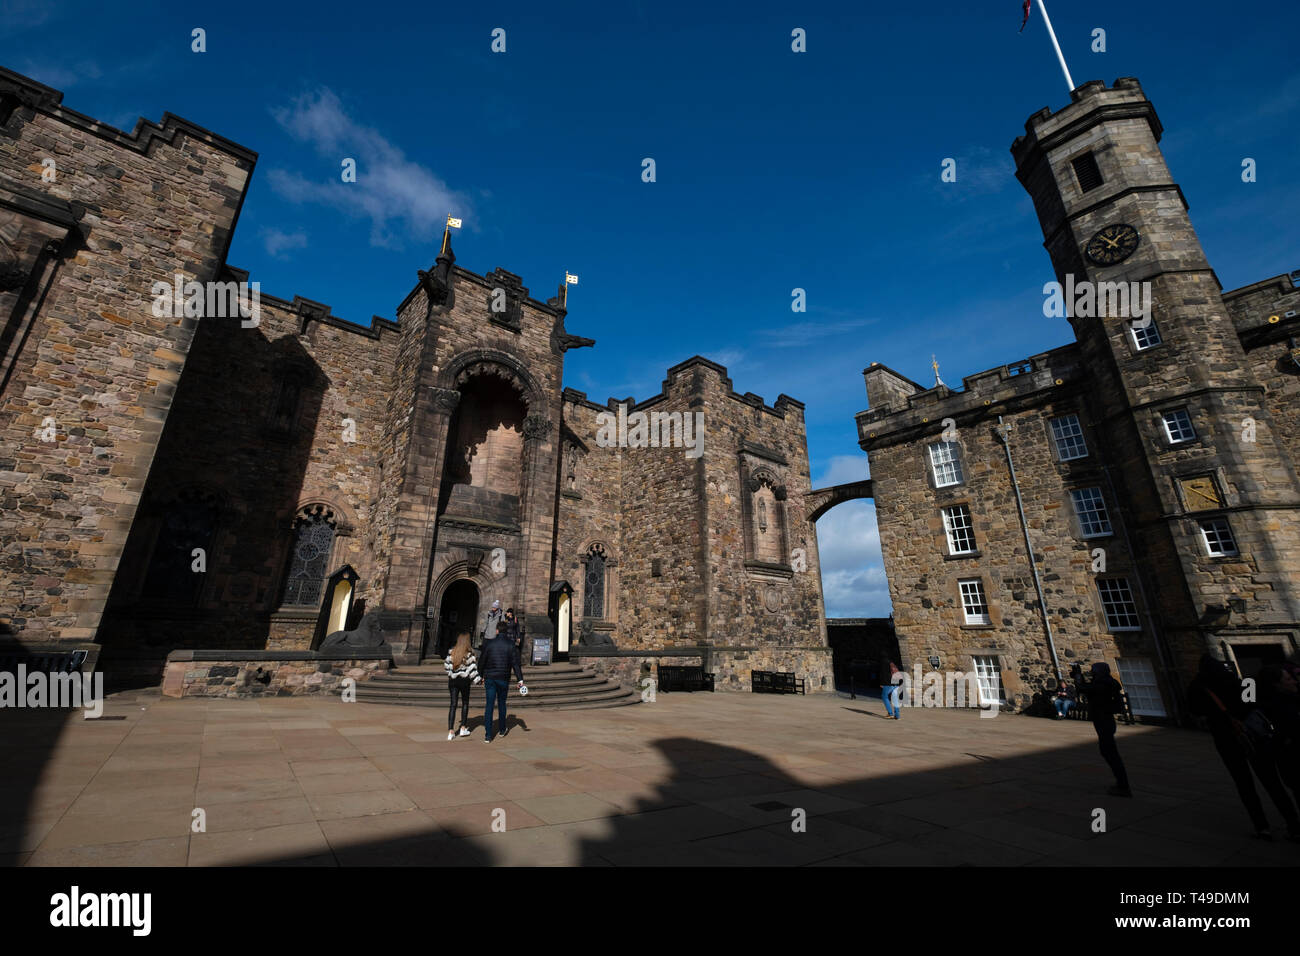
x: 183, y: 482
x: 1154, y: 459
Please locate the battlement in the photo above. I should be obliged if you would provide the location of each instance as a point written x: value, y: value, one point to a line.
x: 312, y: 311
x: 18, y: 91
x: 783, y: 404
x: 908, y: 409
x: 1089, y: 104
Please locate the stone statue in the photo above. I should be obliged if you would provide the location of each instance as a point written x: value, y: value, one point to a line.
x: 588, y: 636
x: 368, y: 635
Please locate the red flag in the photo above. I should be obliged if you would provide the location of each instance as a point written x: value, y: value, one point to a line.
x: 1026, y: 19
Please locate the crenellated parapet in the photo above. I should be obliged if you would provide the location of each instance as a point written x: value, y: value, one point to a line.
x: 903, y: 410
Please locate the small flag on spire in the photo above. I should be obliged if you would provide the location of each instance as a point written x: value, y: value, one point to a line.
x: 1026, y: 19
x: 570, y: 278
x: 453, y: 223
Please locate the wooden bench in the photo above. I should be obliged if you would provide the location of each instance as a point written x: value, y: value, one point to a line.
x: 776, y: 682
x: 684, y: 677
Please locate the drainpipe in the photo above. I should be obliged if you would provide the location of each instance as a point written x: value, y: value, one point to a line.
x: 1003, y: 433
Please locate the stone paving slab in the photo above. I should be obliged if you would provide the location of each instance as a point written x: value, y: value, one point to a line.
x: 707, y: 779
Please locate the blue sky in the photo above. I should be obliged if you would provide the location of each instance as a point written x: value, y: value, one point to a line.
x: 774, y: 170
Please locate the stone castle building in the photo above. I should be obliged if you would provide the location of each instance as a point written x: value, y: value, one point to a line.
x: 1150, y: 465
x: 439, y: 454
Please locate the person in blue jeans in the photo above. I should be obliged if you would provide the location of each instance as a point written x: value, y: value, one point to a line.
x: 1064, y: 700
x: 497, y: 658
x: 891, y: 693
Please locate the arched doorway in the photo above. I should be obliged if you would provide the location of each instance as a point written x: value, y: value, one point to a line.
x: 457, y: 612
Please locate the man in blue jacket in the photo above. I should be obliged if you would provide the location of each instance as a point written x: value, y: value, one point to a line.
x: 497, y: 659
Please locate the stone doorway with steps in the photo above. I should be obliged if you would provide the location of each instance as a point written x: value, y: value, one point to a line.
x: 457, y: 611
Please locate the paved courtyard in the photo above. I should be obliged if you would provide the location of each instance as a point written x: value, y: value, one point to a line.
x: 689, y: 779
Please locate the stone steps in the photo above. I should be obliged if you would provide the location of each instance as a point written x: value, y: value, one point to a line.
x: 555, y: 687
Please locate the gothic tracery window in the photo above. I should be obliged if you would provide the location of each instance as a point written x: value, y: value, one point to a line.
x: 313, y: 542
x: 593, y: 591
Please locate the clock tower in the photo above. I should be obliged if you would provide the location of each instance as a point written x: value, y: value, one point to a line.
x: 1207, y: 493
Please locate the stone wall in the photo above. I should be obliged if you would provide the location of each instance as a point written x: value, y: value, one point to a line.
x: 692, y: 556
x: 95, y: 360
x: 264, y: 678
x: 304, y: 415
x: 236, y: 439
x: 1200, y: 365
x: 590, y: 508
x: 1219, y: 357
x: 1271, y: 340
x: 924, y: 577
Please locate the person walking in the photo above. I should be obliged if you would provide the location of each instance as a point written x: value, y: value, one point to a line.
x: 497, y: 660
x: 515, y: 631
x: 1216, y: 695
x: 490, y: 627
x: 891, y: 694
x: 462, y: 673
x: 1104, y: 701
x: 1279, y: 696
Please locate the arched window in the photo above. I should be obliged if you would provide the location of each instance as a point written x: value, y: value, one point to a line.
x: 188, y: 523
x: 593, y: 590
x: 313, y: 543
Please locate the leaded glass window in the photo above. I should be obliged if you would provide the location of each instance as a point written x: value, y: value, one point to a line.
x: 313, y: 540
x: 593, y: 592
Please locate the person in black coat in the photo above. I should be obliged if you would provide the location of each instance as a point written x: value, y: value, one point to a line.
x: 1104, y: 701
x: 497, y: 659
x: 1279, y: 696
x: 1216, y: 695
x: 515, y: 631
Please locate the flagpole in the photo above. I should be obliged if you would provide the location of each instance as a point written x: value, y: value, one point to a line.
x: 1069, y: 81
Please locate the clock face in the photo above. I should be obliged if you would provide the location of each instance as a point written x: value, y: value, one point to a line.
x: 1112, y: 244
x: 1200, y: 494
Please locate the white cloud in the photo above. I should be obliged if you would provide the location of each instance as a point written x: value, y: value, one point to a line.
x: 399, y: 197
x: 853, y: 571
x: 728, y: 358
x: 19, y: 15
x: 60, y: 77
x: 800, y: 333
x: 842, y: 469
x: 277, y: 241
x: 980, y: 172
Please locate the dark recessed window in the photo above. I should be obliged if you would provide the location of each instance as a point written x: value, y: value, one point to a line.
x: 1085, y: 167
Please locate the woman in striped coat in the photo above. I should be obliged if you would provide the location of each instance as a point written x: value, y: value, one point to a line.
x: 462, y: 673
